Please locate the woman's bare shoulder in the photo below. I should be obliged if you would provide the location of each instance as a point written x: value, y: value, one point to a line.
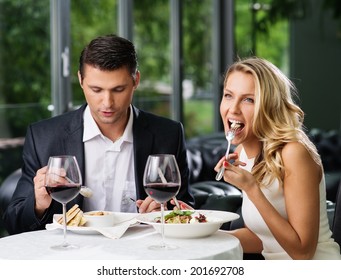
x: 295, y: 154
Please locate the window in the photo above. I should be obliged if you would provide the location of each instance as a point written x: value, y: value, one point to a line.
x: 24, y: 64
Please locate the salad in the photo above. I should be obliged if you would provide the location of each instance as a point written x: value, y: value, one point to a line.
x: 183, y: 217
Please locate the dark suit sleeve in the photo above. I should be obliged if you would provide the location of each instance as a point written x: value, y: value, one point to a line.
x: 59, y: 135
x: 19, y: 215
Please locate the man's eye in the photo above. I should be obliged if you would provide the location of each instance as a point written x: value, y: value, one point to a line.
x: 119, y: 89
x: 96, y: 90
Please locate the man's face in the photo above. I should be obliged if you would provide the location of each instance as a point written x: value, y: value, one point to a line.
x: 108, y: 94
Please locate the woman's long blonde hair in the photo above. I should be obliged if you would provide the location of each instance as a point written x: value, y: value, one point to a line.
x: 277, y: 119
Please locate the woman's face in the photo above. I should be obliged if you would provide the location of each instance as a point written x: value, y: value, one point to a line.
x: 238, y: 104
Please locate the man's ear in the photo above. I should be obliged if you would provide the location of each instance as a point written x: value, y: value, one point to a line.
x: 137, y: 79
x: 80, y: 80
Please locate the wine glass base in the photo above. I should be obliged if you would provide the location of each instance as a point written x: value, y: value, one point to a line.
x: 64, y: 247
x: 163, y: 247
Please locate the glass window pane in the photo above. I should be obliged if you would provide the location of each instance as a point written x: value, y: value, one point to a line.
x: 97, y: 17
x: 197, y: 84
x: 152, y: 40
x: 255, y: 35
x: 24, y: 64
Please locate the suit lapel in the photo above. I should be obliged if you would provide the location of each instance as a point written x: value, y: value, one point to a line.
x: 73, y: 141
x: 143, y: 141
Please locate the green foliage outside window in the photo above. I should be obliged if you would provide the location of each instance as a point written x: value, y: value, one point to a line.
x: 24, y: 62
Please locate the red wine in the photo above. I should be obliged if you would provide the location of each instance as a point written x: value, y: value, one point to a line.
x: 63, y: 193
x: 161, y: 192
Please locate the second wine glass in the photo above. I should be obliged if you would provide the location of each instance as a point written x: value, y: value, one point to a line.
x: 162, y: 181
x: 63, y: 182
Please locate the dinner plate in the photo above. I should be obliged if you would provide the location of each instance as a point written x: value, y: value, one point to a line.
x: 120, y: 217
x: 194, y: 230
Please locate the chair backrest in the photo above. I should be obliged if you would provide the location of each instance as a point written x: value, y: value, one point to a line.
x: 337, y: 217
x: 7, y: 189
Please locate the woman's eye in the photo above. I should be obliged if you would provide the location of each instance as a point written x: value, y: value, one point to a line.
x: 249, y: 100
x: 227, y: 95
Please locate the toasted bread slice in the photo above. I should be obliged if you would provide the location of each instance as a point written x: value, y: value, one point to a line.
x: 76, y: 220
x: 70, y: 214
x: 82, y: 222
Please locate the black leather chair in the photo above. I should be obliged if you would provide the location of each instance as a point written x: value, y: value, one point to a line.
x: 7, y: 189
x: 212, y: 195
x: 337, y: 218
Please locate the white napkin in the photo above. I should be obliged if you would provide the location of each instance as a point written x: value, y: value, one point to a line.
x: 114, y: 232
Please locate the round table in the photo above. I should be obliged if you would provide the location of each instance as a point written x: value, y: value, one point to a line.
x: 132, y: 245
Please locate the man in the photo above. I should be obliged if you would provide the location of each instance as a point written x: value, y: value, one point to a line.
x: 110, y: 138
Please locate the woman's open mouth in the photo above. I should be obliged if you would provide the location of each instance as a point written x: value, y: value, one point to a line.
x: 235, y: 125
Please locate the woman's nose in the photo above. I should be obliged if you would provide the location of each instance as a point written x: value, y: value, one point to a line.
x: 234, y: 107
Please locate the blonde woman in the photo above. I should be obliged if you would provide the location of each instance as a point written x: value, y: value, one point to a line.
x: 275, y: 165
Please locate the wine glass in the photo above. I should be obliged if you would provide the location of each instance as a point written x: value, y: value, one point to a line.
x: 63, y: 182
x: 161, y: 182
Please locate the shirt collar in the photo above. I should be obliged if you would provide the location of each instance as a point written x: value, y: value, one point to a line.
x: 91, y: 129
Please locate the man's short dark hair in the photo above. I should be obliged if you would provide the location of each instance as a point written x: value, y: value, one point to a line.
x: 109, y: 52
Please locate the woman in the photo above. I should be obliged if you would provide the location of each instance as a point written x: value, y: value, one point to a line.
x: 275, y: 165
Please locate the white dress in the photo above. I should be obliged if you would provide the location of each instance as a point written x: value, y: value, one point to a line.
x: 327, y: 248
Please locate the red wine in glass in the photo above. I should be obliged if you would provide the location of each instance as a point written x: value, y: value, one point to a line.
x: 161, y: 192
x: 63, y: 193
x: 63, y: 182
x: 162, y: 181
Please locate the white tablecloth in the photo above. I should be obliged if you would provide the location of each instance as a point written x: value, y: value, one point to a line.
x: 132, y: 245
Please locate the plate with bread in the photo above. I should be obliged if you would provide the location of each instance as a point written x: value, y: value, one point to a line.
x: 93, y: 222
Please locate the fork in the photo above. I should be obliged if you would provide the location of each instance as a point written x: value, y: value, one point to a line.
x: 176, y: 203
x: 85, y: 191
x: 229, y: 137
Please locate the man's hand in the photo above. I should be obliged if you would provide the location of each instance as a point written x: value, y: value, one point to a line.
x: 148, y: 205
x: 42, y: 198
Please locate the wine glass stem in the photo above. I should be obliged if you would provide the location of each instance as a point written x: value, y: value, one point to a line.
x: 64, y: 219
x: 163, y: 244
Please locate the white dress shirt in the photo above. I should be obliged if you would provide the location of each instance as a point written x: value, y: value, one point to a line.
x: 109, y: 168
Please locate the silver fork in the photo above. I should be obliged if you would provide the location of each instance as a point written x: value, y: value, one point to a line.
x: 176, y: 203
x: 85, y: 191
x: 229, y: 137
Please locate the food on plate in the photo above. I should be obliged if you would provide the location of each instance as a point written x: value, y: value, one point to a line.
x: 86, y: 192
x: 97, y: 213
x: 183, y: 217
x: 74, y: 217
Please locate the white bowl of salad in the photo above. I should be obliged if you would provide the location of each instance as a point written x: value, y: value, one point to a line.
x: 188, y: 223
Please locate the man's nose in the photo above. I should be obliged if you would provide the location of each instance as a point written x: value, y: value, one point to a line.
x: 108, y: 99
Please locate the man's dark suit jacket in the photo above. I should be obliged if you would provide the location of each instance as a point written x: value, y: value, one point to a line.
x: 63, y: 135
